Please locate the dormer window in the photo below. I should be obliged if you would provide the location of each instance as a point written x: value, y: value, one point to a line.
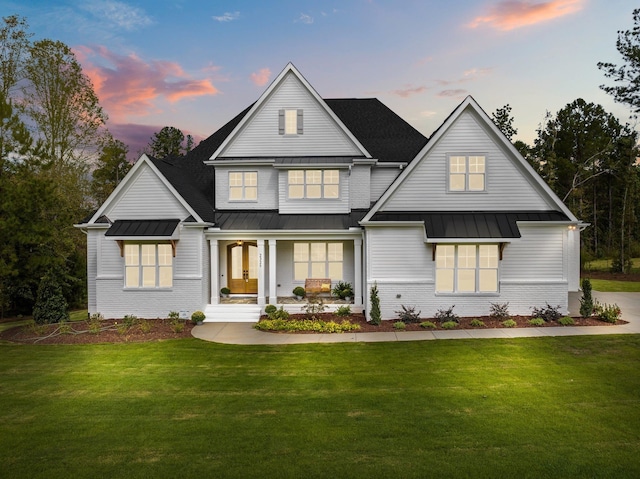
x: 290, y: 122
x: 467, y: 173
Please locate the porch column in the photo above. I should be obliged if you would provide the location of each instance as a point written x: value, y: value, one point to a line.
x: 273, y: 285
x: 214, y: 260
x: 357, y: 260
x: 261, y: 274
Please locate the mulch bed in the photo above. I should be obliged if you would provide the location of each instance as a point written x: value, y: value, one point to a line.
x: 387, y: 325
x: 159, y: 329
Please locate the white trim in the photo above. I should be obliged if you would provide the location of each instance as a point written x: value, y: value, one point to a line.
x: 267, y: 93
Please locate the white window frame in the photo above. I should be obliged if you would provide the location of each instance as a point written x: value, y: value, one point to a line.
x: 468, y: 171
x: 291, y: 122
x: 326, y: 187
x: 454, y: 263
x: 243, y: 187
x: 145, y: 263
x: 329, y: 256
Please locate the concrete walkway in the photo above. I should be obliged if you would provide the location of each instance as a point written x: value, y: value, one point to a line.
x: 244, y: 333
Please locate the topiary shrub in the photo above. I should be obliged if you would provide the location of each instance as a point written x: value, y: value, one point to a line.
x: 375, y: 316
x: 197, y: 316
x: 299, y: 291
x: 51, y: 305
x: 586, y: 302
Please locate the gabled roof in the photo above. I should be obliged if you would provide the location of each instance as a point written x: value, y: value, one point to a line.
x: 290, y: 69
x: 470, y: 103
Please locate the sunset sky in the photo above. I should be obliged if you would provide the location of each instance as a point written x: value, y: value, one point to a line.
x: 196, y: 64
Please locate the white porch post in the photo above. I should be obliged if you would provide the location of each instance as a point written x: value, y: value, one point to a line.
x: 357, y: 257
x: 261, y: 274
x: 214, y: 259
x: 273, y: 285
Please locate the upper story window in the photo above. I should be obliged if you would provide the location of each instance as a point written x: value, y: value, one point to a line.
x: 243, y: 186
x: 290, y: 122
x: 314, y: 184
x: 467, y: 268
x: 148, y: 265
x: 467, y: 173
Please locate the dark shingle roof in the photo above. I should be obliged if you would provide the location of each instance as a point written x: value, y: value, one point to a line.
x: 469, y: 224
x: 383, y: 133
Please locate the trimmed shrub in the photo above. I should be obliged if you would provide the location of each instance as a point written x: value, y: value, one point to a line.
x: 270, y: 308
x: 50, y: 306
x: 477, y: 323
x: 317, y: 325
x: 537, y: 322
x: 586, y: 302
x: 299, y: 291
x: 449, y: 325
x: 399, y: 325
x: 408, y: 314
x: 509, y: 323
x: 375, y: 316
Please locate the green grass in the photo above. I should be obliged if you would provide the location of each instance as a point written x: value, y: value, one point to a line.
x: 610, y: 286
x: 605, y: 265
x: 536, y: 407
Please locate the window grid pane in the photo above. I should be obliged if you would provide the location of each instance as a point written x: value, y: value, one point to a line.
x: 317, y: 184
x: 148, y: 265
x: 467, y: 173
x: 318, y: 260
x: 476, y: 268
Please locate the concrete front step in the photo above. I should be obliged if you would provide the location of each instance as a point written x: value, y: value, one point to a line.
x: 232, y: 313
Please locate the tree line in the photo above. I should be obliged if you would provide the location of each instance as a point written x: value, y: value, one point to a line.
x: 59, y: 162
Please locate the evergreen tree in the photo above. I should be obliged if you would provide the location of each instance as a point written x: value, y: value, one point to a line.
x: 504, y: 121
x: 111, y: 166
x: 167, y: 142
x: 50, y: 306
x: 374, y: 315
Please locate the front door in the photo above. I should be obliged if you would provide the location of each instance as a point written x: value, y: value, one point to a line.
x: 242, y: 261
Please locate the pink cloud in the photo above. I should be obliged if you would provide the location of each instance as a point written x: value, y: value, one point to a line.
x: 452, y: 93
x: 261, y: 77
x: 512, y: 14
x: 129, y: 86
x: 409, y: 91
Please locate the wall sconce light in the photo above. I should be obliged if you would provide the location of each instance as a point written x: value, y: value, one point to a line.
x: 572, y: 227
x: 239, y: 242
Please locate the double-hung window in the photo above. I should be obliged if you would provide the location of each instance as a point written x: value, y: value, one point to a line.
x: 467, y: 173
x: 313, y: 184
x: 243, y: 185
x: 467, y: 268
x: 148, y: 265
x: 317, y: 260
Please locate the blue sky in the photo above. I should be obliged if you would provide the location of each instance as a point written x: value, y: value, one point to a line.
x: 196, y: 64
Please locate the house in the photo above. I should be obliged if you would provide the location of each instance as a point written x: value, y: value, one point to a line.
x: 298, y: 187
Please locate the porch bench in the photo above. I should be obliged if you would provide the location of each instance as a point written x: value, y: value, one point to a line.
x: 317, y: 285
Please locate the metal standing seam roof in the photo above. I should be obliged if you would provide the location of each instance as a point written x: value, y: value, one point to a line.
x: 272, y: 220
x: 495, y: 224
x: 143, y: 228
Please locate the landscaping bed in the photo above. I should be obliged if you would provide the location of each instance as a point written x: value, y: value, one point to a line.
x: 465, y: 323
x: 110, y: 331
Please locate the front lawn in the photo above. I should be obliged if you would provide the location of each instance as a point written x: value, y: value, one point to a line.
x: 613, y: 286
x: 537, y: 407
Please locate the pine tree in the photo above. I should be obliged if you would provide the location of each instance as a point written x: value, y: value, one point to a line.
x: 374, y: 314
x: 51, y: 306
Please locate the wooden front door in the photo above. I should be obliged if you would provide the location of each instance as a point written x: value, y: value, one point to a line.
x: 242, y: 270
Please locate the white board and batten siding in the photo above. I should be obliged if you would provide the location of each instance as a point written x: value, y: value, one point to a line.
x: 321, y: 135
x: 267, y: 188
x: 508, y: 187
